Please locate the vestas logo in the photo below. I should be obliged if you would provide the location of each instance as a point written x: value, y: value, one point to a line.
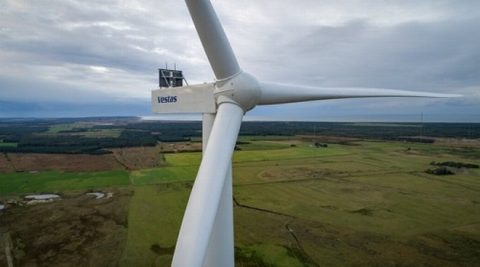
x: 167, y: 99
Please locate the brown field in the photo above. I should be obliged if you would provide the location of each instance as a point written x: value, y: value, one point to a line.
x: 181, y: 147
x: 5, y: 165
x: 133, y: 158
x: 63, y: 162
x: 75, y: 231
x: 458, y: 142
x: 136, y: 158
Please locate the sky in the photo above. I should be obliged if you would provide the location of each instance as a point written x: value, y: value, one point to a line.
x: 70, y: 58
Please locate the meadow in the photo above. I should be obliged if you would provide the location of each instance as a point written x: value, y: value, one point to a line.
x: 57, y: 181
x: 364, y: 203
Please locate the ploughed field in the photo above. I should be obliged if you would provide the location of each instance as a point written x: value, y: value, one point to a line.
x: 297, y: 203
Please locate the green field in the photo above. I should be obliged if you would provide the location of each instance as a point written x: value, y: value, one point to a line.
x: 54, y: 181
x: 8, y: 144
x: 154, y: 217
x: 347, y: 205
x: 61, y: 127
x: 89, y: 130
x: 362, y: 204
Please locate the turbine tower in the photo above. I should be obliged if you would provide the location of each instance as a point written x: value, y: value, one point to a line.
x: 206, y: 233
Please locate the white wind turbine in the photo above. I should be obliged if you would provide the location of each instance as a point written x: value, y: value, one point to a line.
x: 206, y: 234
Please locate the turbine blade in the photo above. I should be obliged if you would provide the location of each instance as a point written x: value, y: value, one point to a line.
x: 276, y: 93
x: 202, y: 207
x: 213, y: 38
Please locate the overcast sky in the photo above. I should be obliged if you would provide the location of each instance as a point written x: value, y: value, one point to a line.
x: 69, y: 58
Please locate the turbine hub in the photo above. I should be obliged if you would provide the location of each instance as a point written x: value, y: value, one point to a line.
x: 242, y: 89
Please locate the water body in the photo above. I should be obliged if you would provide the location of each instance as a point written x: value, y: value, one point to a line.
x: 97, y: 195
x: 100, y: 195
x: 42, y: 197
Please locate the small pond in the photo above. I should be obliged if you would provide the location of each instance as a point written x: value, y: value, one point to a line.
x: 97, y: 195
x: 100, y: 195
x: 42, y: 197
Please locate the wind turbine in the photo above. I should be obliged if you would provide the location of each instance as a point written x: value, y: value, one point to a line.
x: 206, y: 233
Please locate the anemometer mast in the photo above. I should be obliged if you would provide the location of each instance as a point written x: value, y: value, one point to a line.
x: 168, y: 78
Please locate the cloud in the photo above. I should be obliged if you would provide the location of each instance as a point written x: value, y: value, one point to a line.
x: 72, y: 51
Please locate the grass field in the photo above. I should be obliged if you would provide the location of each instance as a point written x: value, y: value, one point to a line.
x: 90, y: 132
x: 163, y: 175
x: 154, y: 217
x: 61, y: 127
x: 100, y: 133
x: 362, y: 204
x: 54, y: 181
x: 365, y: 205
x: 7, y: 144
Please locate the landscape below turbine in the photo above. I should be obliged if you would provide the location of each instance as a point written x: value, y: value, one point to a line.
x: 206, y: 233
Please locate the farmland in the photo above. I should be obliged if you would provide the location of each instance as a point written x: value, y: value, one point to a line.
x: 353, y: 202
x: 344, y: 205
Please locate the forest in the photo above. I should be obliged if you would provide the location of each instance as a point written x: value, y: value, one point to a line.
x: 95, y: 135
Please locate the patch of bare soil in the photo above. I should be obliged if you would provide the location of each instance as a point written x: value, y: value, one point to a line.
x: 78, y: 230
x: 181, y: 147
x: 135, y: 158
x: 5, y: 165
x: 64, y: 162
x: 458, y: 142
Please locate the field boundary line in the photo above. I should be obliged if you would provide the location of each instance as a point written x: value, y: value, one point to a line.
x: 261, y: 209
x: 298, y: 244
x: 119, y: 161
